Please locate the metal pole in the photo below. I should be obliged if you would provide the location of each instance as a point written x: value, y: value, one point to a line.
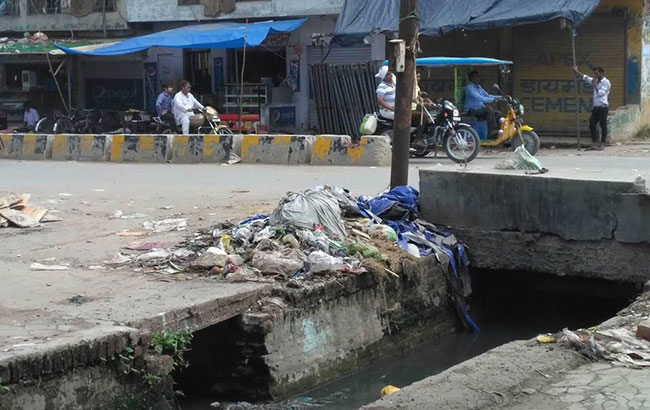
x: 241, y: 90
x: 69, y: 61
x: 408, y: 26
x: 575, y: 83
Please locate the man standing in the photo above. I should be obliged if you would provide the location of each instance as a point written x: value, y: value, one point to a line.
x: 164, y: 103
x: 184, y: 106
x: 599, y: 113
x: 476, y: 98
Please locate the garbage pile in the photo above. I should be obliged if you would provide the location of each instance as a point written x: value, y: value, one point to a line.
x: 617, y: 345
x: 9, y: 43
x: 15, y: 211
x: 312, y: 234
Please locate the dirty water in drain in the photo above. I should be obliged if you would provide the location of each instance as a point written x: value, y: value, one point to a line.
x: 508, y: 306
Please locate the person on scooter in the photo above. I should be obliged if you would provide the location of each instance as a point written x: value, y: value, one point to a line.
x: 184, y: 106
x: 599, y: 113
x: 476, y: 98
x: 165, y: 103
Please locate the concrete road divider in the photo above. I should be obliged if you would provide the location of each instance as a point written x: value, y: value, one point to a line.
x: 141, y: 148
x: 337, y: 150
x: 202, y: 148
x: 81, y: 147
x: 277, y: 149
x: 263, y: 149
x: 26, y: 146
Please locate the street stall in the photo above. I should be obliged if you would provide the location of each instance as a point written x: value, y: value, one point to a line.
x: 245, y: 99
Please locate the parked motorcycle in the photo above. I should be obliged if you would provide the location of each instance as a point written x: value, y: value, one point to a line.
x: 442, y: 128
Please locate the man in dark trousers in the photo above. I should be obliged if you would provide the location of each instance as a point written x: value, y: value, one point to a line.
x: 599, y: 113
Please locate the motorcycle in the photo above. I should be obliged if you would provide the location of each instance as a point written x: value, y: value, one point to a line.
x: 512, y: 128
x: 197, y: 124
x: 441, y: 128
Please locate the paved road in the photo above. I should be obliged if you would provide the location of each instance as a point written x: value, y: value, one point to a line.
x: 35, y: 306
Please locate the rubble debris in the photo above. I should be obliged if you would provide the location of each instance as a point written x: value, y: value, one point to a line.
x: 40, y: 266
x: 15, y: 211
x: 147, y: 246
x: 166, y: 225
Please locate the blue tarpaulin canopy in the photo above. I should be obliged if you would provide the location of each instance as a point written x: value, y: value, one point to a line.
x: 214, y: 35
x: 439, y: 17
x: 457, y: 61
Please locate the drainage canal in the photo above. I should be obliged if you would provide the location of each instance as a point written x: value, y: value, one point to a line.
x: 227, y: 364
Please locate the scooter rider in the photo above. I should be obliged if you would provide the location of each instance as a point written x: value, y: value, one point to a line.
x: 476, y: 98
x: 184, y: 106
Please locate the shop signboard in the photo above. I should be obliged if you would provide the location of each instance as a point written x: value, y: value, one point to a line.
x: 114, y: 94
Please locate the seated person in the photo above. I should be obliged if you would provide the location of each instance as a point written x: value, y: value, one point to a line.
x: 165, y: 103
x: 30, y: 118
x: 184, y: 106
x: 386, y: 93
x: 476, y: 98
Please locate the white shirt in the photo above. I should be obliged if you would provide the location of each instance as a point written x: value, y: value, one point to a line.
x: 183, y: 104
x: 387, y: 92
x: 601, y: 91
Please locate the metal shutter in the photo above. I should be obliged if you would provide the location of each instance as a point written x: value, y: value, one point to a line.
x: 542, y: 74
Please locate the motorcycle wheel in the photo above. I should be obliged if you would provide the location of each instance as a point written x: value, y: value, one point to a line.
x: 531, y: 142
x: 44, y: 126
x: 421, y: 153
x: 223, y: 131
x: 63, y: 126
x: 462, y: 154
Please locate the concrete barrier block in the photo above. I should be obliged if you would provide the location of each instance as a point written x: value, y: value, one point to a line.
x: 202, y: 148
x: 277, y: 149
x: 81, y: 147
x: 26, y: 146
x: 336, y: 150
x: 141, y: 148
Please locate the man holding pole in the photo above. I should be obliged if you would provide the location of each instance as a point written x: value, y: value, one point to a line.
x: 599, y: 113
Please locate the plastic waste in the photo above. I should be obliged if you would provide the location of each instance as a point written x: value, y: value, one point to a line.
x: 308, y: 209
x: 291, y: 241
x: 39, y: 266
x: 547, y: 338
x: 166, y: 225
x: 521, y: 159
x: 266, y: 233
x: 224, y: 243
x: 154, y: 254
x: 413, y: 249
x: 366, y: 250
x: 383, y: 232
x: 285, y: 262
x: 243, y: 274
x: 347, y: 202
x: 242, y: 234
x: 212, y: 257
x: 319, y: 262
x: 388, y: 390
x: 400, y: 203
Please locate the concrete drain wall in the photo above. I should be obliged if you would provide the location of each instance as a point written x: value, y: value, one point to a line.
x: 301, y: 338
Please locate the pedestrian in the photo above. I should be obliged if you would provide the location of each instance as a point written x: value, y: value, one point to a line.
x: 184, y: 106
x: 600, y: 109
x: 386, y: 93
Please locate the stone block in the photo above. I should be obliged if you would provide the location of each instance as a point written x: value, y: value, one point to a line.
x: 158, y: 365
x: 277, y: 149
x: 141, y: 148
x: 81, y: 147
x: 202, y: 148
x: 26, y: 146
x: 336, y: 150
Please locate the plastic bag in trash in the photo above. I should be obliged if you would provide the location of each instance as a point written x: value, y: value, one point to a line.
x: 383, y: 232
x: 319, y: 261
x: 308, y: 209
x: 285, y: 262
x: 400, y: 203
x: 347, y: 202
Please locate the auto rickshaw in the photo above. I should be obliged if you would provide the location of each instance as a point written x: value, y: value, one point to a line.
x: 512, y: 130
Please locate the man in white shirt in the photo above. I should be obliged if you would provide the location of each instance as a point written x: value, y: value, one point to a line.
x: 599, y: 113
x: 184, y: 106
x: 386, y: 93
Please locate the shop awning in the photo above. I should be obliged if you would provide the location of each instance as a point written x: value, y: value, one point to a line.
x: 438, y: 17
x: 213, y: 35
x: 47, y: 47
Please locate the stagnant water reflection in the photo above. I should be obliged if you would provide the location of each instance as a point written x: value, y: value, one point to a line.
x: 507, y: 306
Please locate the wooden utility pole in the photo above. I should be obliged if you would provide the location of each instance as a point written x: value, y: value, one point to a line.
x: 408, y: 28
